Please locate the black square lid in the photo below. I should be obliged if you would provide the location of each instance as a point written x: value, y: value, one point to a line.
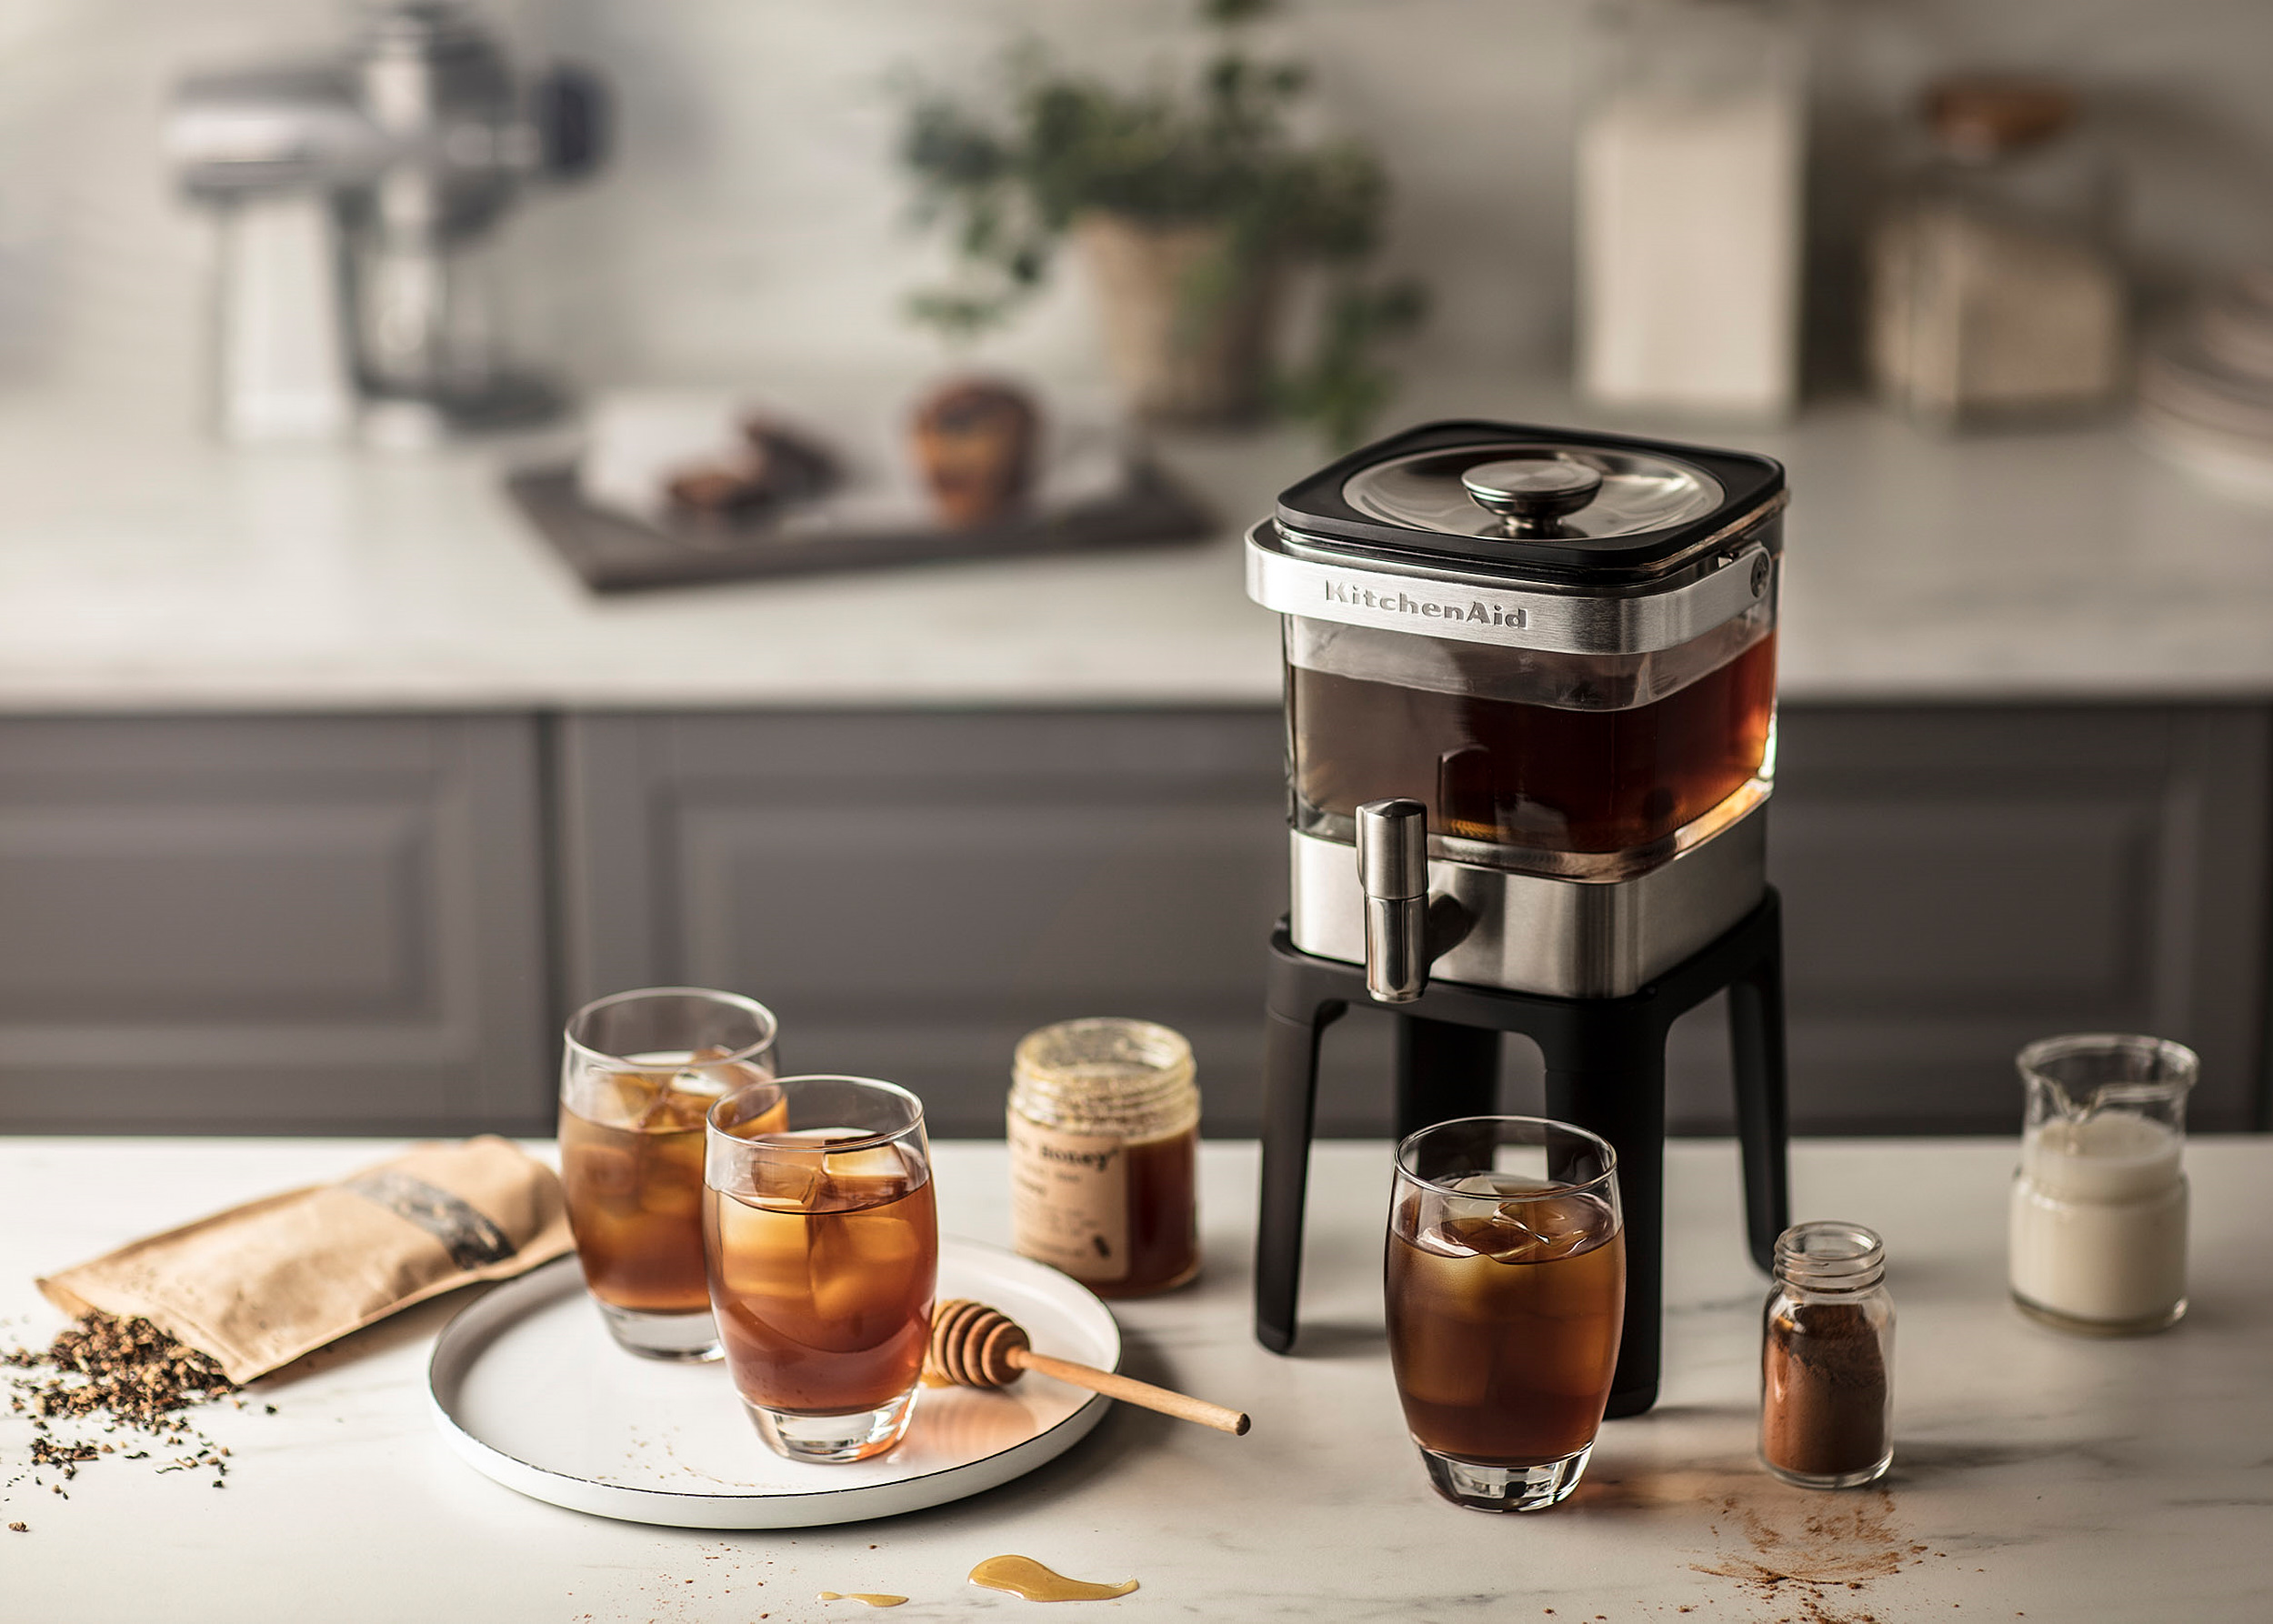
x: 1529, y: 499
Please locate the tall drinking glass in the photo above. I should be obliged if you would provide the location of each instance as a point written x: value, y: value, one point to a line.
x: 1507, y: 1292
x: 824, y: 1250
x: 638, y: 1073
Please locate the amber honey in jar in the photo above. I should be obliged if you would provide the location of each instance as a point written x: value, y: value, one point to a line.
x: 1104, y: 1128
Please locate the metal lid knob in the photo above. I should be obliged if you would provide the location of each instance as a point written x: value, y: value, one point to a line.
x: 1532, y: 493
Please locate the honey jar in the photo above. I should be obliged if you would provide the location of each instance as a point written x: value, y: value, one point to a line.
x: 1104, y: 1129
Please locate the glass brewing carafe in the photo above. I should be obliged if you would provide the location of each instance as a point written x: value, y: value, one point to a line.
x: 1561, y: 645
x: 1528, y: 748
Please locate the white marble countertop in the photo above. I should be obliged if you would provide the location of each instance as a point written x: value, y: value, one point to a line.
x: 2035, y: 1475
x: 145, y: 567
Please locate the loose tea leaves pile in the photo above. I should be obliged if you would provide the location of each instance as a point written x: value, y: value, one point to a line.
x: 105, y: 1376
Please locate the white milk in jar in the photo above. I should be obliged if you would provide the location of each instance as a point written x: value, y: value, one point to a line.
x: 2098, y: 1227
x: 2099, y: 1223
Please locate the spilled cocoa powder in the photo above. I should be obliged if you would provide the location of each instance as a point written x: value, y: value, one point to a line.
x: 1815, y: 1565
x: 105, y: 1386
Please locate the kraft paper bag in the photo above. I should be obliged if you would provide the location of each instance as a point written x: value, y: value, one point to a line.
x: 259, y: 1285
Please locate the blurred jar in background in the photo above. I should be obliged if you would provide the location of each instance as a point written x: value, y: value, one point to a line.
x: 1690, y: 157
x: 1996, y: 292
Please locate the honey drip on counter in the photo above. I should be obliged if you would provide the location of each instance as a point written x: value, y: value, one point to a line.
x: 1023, y: 1575
x: 870, y: 1597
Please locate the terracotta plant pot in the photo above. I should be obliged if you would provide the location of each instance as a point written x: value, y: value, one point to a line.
x: 1186, y: 335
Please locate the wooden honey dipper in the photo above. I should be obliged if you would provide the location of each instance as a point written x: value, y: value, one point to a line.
x: 973, y: 1346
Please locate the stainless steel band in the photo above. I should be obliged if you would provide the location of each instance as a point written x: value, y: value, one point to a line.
x: 1532, y: 932
x: 1440, y: 603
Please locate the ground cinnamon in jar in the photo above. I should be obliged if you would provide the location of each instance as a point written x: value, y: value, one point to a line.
x: 1104, y: 1129
x: 1827, y: 1359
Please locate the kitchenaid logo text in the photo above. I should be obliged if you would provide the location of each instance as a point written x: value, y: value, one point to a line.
x: 1341, y: 592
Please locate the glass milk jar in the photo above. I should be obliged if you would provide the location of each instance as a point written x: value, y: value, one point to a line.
x: 2098, y: 1221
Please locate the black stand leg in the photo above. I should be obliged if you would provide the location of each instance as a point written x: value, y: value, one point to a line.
x: 1756, y: 1043
x: 1444, y: 1071
x: 1606, y: 1071
x: 1290, y: 1087
x: 1611, y: 1079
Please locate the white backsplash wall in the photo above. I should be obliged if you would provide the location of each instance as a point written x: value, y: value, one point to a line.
x: 798, y: 250
x: 752, y: 224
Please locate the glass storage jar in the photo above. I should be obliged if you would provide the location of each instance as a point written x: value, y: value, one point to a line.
x: 2098, y: 1214
x: 1996, y: 292
x: 1827, y: 1359
x: 1104, y: 1129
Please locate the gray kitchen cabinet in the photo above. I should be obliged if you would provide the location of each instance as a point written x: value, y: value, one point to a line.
x: 371, y: 924
x: 1960, y: 880
x: 911, y: 892
x: 271, y: 925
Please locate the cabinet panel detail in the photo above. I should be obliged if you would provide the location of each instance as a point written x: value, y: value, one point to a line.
x: 271, y: 925
x: 2028, y: 906
x: 914, y: 891
x: 1960, y: 881
x: 196, y: 913
x: 911, y: 894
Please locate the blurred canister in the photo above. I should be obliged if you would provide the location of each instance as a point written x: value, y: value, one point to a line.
x: 1104, y: 1129
x: 1689, y: 178
x: 1996, y: 292
x: 2098, y: 1211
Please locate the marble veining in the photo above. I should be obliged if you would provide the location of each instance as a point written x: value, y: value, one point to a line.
x: 2035, y: 1474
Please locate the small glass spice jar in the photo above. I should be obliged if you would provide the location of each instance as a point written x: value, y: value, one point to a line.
x: 1104, y: 1127
x: 1827, y: 1359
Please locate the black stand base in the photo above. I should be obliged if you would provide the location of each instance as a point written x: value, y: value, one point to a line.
x: 1606, y: 1071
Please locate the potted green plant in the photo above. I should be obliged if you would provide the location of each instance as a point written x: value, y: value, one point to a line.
x: 1191, y: 213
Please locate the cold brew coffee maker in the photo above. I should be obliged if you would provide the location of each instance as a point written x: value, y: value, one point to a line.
x: 1530, y: 731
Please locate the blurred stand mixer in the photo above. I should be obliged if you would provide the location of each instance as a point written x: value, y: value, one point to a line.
x: 357, y: 202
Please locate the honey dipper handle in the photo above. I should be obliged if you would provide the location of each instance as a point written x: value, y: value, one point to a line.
x: 1129, y: 1391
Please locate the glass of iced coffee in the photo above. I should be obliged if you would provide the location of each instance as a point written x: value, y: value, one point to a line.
x: 1506, y: 1291
x: 824, y: 1249
x: 638, y: 1073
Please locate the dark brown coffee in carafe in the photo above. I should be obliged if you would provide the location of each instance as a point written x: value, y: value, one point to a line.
x: 1540, y: 776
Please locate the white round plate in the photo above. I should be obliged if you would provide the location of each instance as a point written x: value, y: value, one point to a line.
x: 528, y: 1386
